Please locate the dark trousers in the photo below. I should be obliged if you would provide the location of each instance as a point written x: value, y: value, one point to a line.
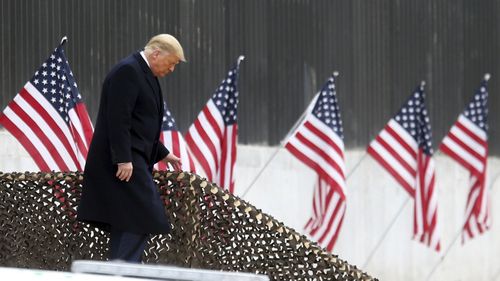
x: 127, y: 246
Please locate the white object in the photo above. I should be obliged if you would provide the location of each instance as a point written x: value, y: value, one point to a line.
x: 161, y: 272
x: 8, y: 273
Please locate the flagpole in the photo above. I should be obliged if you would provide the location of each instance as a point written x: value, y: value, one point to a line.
x: 356, y: 165
x: 240, y: 59
x: 486, y: 77
x: 282, y: 143
x: 387, y: 229
x: 434, y: 268
x: 281, y: 146
x: 64, y: 40
x: 431, y: 273
x: 393, y: 221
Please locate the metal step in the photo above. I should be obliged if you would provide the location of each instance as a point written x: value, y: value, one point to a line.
x: 161, y: 272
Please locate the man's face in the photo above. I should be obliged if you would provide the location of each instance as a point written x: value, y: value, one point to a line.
x: 163, y: 63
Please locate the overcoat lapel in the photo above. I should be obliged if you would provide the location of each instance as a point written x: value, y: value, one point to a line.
x: 161, y: 101
x: 152, y: 81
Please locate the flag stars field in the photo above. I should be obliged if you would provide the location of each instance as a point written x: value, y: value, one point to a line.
x: 318, y: 143
x: 212, y: 138
x: 49, y: 118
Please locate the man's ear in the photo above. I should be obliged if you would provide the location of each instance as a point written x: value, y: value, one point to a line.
x: 155, y: 54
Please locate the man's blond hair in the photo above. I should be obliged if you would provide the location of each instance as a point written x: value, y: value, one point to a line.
x: 165, y: 42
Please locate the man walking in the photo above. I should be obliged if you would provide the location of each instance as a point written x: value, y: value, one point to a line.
x: 118, y: 193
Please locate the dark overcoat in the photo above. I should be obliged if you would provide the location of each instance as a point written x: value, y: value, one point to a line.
x: 127, y: 130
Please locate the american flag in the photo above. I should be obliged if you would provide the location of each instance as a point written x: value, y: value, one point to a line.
x: 467, y: 143
x: 213, y: 136
x: 318, y: 143
x: 49, y: 118
x: 174, y: 142
x: 404, y: 149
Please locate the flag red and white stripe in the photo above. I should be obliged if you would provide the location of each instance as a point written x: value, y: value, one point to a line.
x: 396, y: 151
x: 174, y: 142
x: 404, y: 149
x: 212, y: 138
x: 49, y: 118
x: 318, y: 143
x: 329, y: 206
x: 467, y: 143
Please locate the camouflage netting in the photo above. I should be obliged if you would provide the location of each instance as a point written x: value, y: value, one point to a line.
x: 210, y: 229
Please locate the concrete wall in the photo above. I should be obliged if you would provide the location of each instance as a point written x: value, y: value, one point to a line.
x: 284, y: 190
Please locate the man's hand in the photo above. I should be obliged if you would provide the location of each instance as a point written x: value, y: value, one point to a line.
x: 124, y: 171
x: 173, y: 160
